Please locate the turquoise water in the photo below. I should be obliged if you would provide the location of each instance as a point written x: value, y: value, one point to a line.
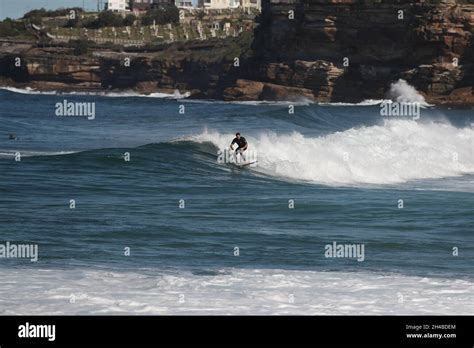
x: 344, y: 167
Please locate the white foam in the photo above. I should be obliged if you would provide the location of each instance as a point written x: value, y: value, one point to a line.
x: 123, y: 94
x: 402, y: 92
x: 175, y: 95
x: 26, y: 153
x: 367, y: 102
x: 300, y: 102
x: 27, y: 90
x: 395, y: 152
x: 232, y: 291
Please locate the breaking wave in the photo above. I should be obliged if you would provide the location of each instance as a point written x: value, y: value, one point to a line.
x: 395, y: 152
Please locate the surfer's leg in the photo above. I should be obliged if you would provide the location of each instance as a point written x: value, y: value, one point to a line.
x: 235, y: 155
x: 242, y: 155
x: 237, y: 152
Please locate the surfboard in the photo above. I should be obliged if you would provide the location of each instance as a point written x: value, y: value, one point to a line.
x: 242, y: 163
x: 246, y: 163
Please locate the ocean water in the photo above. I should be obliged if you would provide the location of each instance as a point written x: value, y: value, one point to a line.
x: 236, y: 246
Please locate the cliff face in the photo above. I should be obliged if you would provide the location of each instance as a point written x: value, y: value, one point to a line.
x: 330, y: 50
x: 147, y: 75
x: 429, y: 45
x: 189, y: 70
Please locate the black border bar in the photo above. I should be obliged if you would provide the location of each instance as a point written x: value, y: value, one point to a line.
x: 241, y: 330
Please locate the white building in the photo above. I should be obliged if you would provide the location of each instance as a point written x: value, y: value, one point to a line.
x: 184, y: 4
x: 220, y: 4
x: 117, y: 5
x: 257, y: 4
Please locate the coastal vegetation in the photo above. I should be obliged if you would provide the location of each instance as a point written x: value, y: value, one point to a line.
x: 156, y: 26
x: 106, y: 19
x: 11, y: 28
x: 162, y: 15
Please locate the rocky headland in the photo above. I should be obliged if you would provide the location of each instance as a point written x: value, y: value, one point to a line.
x: 319, y: 50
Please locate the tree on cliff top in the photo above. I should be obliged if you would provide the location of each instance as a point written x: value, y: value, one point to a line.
x: 36, y: 16
x: 161, y: 15
x: 9, y: 27
x: 42, y: 13
x: 110, y: 19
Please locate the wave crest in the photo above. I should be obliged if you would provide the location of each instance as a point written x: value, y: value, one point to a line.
x: 395, y: 152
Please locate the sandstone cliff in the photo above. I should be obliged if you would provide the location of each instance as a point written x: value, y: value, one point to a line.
x: 202, y: 68
x: 429, y: 45
x: 330, y: 50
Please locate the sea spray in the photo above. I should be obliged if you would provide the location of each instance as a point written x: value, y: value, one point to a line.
x: 397, y: 151
x: 402, y: 92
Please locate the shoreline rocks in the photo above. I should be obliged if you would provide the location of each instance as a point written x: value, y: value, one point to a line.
x: 333, y: 51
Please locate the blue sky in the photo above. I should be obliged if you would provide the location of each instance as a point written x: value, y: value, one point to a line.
x: 16, y: 8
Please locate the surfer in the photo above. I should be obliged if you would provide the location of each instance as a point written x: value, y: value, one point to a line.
x: 242, y: 143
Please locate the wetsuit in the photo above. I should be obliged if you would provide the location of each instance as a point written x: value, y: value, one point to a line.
x: 242, y: 147
x: 241, y: 142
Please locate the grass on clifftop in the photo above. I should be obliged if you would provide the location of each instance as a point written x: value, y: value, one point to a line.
x: 13, y: 29
x: 209, y: 51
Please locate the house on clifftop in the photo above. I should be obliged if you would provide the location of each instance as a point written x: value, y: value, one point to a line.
x: 117, y: 5
x: 218, y: 4
x: 145, y: 5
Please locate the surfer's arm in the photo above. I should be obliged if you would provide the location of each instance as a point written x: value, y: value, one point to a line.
x: 246, y: 144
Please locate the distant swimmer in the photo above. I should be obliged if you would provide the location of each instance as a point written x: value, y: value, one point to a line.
x: 12, y: 136
x: 242, y: 143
